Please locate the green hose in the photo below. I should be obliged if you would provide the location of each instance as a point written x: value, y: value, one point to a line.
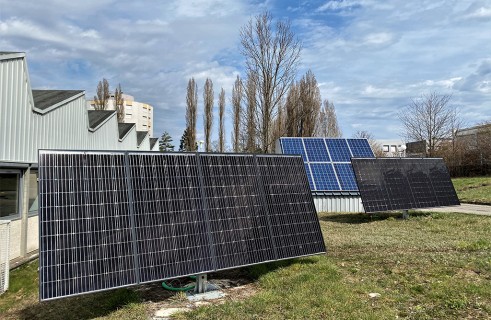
x: 186, y: 288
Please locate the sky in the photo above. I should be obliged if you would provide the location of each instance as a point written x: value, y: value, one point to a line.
x: 370, y: 57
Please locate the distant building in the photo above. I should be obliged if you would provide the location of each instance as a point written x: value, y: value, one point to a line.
x: 393, y: 148
x: 45, y: 119
x: 135, y: 112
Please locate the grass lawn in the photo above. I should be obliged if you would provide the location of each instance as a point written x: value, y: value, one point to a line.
x: 431, y: 266
x: 473, y: 190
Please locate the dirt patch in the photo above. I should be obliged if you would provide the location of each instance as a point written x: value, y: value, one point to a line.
x: 235, y: 284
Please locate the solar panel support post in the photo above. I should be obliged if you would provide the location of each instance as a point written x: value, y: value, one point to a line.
x: 201, y: 283
x: 405, y: 214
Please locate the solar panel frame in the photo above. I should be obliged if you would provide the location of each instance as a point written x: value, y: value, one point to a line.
x: 403, y: 183
x: 139, y: 179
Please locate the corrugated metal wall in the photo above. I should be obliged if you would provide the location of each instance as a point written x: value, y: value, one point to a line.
x: 338, y: 203
x: 15, y: 111
x: 24, y: 131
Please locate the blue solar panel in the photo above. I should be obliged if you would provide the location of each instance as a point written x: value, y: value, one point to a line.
x: 360, y: 148
x: 327, y: 160
x: 346, y: 176
x: 338, y: 148
x: 324, y: 176
x: 316, y: 150
x: 309, y: 176
x: 293, y: 146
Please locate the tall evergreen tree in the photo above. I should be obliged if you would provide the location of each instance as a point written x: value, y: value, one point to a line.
x: 165, y: 142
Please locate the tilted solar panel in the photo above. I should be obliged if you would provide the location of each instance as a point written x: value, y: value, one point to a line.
x: 327, y: 160
x: 85, y: 224
x: 403, y: 183
x: 113, y: 219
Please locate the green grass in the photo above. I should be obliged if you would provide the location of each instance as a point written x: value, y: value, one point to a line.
x: 431, y: 266
x: 473, y: 190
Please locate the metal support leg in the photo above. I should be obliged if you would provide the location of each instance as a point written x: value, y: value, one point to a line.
x: 405, y: 214
x: 201, y: 283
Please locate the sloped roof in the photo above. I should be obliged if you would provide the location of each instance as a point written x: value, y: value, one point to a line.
x: 140, y: 136
x: 124, y: 128
x: 98, y: 117
x: 46, y: 100
x: 153, y: 141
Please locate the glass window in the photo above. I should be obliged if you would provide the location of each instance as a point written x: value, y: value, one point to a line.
x: 393, y: 148
x: 386, y: 148
x: 33, y: 191
x: 9, y: 194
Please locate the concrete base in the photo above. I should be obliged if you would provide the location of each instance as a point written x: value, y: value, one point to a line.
x: 212, y: 292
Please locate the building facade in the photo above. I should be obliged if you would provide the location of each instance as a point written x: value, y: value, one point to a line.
x: 134, y: 112
x: 46, y: 119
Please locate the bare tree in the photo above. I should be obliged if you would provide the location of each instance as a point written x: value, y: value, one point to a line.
x: 221, y: 114
x: 273, y: 56
x: 119, y: 103
x: 430, y: 118
x: 310, y: 104
x: 328, y: 123
x: 102, y: 97
x: 237, y: 93
x: 191, y: 114
x: 374, y: 145
x: 208, y: 115
x: 250, y: 126
x: 292, y: 106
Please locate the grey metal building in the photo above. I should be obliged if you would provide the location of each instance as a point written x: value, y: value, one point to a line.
x: 45, y: 119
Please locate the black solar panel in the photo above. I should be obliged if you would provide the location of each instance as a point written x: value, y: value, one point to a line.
x: 85, y: 224
x: 403, y: 183
x: 115, y: 219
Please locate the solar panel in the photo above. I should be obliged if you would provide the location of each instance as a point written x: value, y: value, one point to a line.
x: 339, y: 150
x: 324, y: 176
x: 294, y: 221
x: 360, y: 148
x: 346, y: 176
x: 116, y: 219
x: 85, y: 224
x: 316, y: 150
x: 327, y: 160
x: 293, y: 146
x: 403, y: 183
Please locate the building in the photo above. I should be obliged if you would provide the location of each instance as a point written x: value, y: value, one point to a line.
x: 46, y: 119
x: 393, y: 148
x: 134, y: 112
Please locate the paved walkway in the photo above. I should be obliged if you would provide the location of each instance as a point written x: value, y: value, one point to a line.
x: 464, y: 208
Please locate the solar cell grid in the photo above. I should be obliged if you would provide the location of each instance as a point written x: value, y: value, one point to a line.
x: 324, y: 176
x: 327, y: 160
x: 316, y: 150
x: 84, y: 226
x: 116, y: 219
x: 346, y: 176
x: 360, y: 148
x: 168, y: 215
x: 293, y: 146
x: 230, y: 184
x: 403, y: 183
x: 293, y: 218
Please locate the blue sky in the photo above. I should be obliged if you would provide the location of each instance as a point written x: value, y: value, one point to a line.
x: 370, y: 57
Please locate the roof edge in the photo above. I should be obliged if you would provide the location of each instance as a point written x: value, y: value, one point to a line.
x: 12, y: 55
x: 59, y: 104
x: 102, y: 123
x: 127, y: 133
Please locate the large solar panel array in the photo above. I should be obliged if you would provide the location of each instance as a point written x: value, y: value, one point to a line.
x: 116, y: 219
x: 403, y: 183
x: 327, y: 160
